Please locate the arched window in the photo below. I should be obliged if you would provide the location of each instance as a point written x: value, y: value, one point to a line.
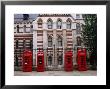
x: 39, y: 23
x: 78, y: 41
x: 50, y: 60
x: 59, y: 41
x: 59, y: 24
x: 78, y: 28
x: 60, y: 59
x: 49, y: 23
x: 50, y: 41
x: 25, y: 28
x: 68, y: 23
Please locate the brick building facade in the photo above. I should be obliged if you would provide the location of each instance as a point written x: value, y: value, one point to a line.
x: 54, y: 33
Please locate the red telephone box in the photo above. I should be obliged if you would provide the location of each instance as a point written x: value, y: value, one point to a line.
x: 81, y: 55
x: 27, y: 61
x: 40, y: 61
x: 68, y: 65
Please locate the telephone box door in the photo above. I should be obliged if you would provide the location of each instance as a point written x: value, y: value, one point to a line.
x: 82, y: 60
x: 40, y: 62
x: 68, y: 61
x: 27, y: 61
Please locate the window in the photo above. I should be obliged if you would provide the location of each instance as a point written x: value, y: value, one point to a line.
x: 31, y: 44
x: 78, y: 41
x: 16, y: 44
x: 30, y: 22
x: 20, y: 43
x: 40, y: 23
x: 49, y: 23
x: 16, y: 60
x: 59, y: 24
x: 31, y: 28
x: 17, y: 28
x: 50, y: 60
x: 25, y: 16
x: 60, y: 60
x: 69, y: 60
x: 24, y: 44
x: 14, y: 29
x: 59, y: 41
x: 77, y: 16
x: 50, y: 41
x: 78, y: 28
x: 68, y: 23
x: 24, y: 28
x: 27, y: 43
x: 40, y: 60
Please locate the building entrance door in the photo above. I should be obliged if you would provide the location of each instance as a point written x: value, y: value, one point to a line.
x: 54, y: 58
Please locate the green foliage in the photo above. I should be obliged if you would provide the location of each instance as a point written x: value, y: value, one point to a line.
x: 89, y: 32
x: 89, y: 36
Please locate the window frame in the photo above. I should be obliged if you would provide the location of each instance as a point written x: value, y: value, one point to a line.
x: 49, y: 26
x: 78, y: 40
x: 40, y: 23
x: 78, y: 28
x: 59, y: 26
x: 50, y: 41
x: 60, y: 41
x: 68, y: 26
x: 50, y: 60
x: 60, y: 62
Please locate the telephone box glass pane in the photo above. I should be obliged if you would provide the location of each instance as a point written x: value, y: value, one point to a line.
x: 69, y: 60
x: 40, y: 60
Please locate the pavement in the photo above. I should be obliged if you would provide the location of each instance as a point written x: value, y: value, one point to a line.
x: 57, y: 73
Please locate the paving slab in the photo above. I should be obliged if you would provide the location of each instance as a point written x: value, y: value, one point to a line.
x: 56, y: 73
